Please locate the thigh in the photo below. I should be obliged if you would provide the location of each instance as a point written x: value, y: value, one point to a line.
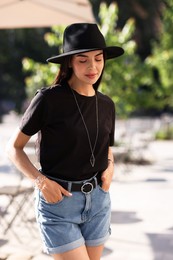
x: 95, y: 252
x: 79, y: 253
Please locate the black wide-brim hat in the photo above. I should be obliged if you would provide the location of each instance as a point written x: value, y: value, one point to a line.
x: 84, y: 37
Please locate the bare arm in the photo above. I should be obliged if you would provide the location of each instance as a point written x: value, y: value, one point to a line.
x: 17, y: 155
x: 51, y: 190
x: 107, y: 175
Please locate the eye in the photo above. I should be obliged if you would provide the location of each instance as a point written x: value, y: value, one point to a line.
x: 98, y: 60
x: 82, y: 61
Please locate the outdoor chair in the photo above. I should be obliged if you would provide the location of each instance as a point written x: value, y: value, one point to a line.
x: 16, y: 200
x: 15, y: 205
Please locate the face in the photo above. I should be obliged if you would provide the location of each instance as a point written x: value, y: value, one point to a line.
x: 87, y: 67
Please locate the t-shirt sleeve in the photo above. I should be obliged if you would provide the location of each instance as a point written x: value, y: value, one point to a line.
x: 111, y: 137
x: 33, y: 118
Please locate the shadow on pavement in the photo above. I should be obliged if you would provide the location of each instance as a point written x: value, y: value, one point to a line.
x: 156, y: 180
x: 3, y: 242
x: 5, y: 169
x: 171, y: 228
x: 124, y: 217
x: 162, y: 246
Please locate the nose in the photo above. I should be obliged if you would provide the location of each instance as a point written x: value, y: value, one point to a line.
x: 91, y: 64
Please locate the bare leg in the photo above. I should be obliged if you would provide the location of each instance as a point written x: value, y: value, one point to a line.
x: 79, y: 253
x: 95, y: 252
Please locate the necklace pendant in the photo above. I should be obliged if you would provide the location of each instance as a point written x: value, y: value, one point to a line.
x: 92, y: 160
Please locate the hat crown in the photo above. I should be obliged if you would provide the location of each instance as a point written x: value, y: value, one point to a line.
x: 84, y: 37
x: 81, y: 36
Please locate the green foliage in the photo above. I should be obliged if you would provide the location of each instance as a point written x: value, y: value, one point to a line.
x: 15, y: 44
x: 164, y: 134
x: 161, y: 59
x: 42, y: 74
x: 125, y: 76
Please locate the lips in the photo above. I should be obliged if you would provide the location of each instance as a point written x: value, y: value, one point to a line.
x: 91, y: 76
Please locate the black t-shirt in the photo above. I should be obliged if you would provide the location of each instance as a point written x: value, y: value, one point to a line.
x: 64, y: 147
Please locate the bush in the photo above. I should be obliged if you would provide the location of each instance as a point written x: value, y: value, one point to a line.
x: 165, y: 133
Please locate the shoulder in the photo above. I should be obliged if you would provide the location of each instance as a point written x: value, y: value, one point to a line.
x: 53, y: 92
x: 105, y: 99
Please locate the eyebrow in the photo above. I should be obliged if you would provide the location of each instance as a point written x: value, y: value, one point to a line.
x: 84, y: 55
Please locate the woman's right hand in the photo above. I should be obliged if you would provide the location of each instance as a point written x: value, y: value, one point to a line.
x: 52, y: 191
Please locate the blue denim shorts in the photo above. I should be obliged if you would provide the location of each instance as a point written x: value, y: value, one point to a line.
x: 74, y: 221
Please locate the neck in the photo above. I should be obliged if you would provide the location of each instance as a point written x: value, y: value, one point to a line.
x: 87, y: 90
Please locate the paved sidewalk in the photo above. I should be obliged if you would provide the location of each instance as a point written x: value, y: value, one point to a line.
x: 142, y: 211
x: 142, y: 208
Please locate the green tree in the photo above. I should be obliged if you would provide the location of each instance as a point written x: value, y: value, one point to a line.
x: 40, y: 74
x: 15, y: 44
x: 125, y: 77
x: 161, y: 60
x: 147, y: 15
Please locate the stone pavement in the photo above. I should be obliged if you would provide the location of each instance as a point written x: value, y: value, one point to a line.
x: 142, y: 208
x: 142, y: 211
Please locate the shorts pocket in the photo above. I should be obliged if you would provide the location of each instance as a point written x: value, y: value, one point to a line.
x: 100, y: 188
x: 42, y: 200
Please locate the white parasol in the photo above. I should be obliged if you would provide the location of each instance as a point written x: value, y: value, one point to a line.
x: 43, y: 13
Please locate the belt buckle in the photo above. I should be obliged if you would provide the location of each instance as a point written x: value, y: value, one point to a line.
x: 87, y: 187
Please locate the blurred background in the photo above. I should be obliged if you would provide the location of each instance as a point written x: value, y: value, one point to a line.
x: 140, y: 83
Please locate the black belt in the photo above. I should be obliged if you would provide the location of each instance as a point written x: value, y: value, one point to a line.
x: 86, y: 186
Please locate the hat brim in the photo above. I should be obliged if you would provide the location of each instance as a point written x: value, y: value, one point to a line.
x: 111, y: 52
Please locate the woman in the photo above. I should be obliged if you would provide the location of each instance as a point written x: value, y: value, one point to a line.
x: 75, y: 123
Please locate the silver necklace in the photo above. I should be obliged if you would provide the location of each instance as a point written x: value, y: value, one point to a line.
x: 92, y: 158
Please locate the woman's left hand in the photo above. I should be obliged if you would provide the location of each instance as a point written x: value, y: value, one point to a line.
x: 107, y: 176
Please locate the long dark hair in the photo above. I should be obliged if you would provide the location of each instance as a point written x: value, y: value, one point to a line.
x: 65, y: 73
